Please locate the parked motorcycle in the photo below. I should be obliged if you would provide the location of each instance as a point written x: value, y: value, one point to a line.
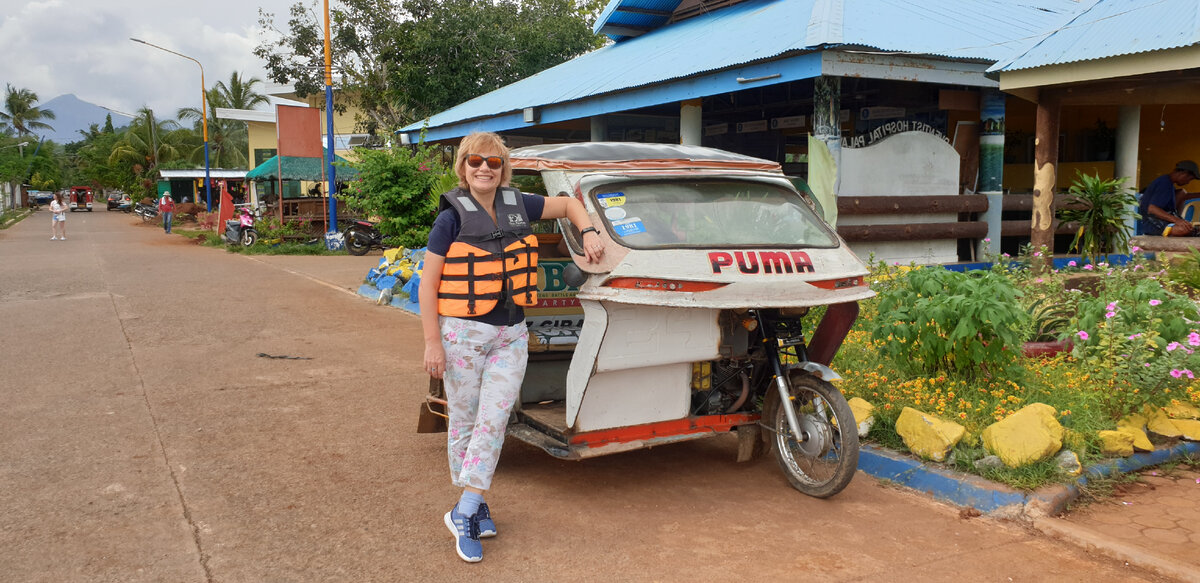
x: 146, y: 211
x: 241, y: 231
x: 361, y: 237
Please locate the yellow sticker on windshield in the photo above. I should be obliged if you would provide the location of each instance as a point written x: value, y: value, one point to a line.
x: 611, y: 199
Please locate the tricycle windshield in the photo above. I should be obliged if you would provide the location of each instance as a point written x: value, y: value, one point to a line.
x: 655, y: 214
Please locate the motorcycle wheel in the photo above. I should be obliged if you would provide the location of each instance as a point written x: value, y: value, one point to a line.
x: 825, y: 462
x: 357, y: 243
x: 249, y: 237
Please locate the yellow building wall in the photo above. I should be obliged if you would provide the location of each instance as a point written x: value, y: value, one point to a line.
x: 260, y: 136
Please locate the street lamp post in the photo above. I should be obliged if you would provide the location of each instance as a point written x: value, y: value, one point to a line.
x: 203, y: 113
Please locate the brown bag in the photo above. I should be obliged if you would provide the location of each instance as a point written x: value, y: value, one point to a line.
x: 432, y: 417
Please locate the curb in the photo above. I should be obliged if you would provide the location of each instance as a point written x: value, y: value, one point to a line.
x: 989, y: 497
x: 1093, y: 541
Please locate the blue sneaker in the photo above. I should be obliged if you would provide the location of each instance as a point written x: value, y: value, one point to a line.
x: 466, y: 535
x: 487, y: 527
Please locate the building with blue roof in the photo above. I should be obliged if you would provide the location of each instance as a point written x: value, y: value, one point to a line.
x: 759, y: 77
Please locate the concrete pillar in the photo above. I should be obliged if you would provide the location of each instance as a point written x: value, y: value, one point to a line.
x: 991, y: 166
x: 599, y: 128
x: 1129, y: 126
x: 691, y: 127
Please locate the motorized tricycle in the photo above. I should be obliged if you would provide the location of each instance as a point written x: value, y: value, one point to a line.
x: 81, y: 198
x: 693, y: 325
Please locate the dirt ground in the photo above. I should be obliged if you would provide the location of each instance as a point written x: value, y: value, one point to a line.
x: 144, y: 438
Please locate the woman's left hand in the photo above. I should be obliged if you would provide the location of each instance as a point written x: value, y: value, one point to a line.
x: 593, y: 246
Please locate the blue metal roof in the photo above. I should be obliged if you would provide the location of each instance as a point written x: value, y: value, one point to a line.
x: 1111, y: 28
x: 680, y: 60
x: 622, y: 19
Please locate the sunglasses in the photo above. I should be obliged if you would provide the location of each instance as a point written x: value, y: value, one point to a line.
x: 493, y: 162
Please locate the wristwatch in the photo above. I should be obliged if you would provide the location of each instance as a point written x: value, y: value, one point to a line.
x: 589, y: 230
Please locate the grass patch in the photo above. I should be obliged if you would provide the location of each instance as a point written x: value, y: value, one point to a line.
x: 11, y: 217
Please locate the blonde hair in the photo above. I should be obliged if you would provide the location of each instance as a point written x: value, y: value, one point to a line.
x: 474, y: 143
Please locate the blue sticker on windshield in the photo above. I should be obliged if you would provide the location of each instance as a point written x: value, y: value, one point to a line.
x: 627, y: 227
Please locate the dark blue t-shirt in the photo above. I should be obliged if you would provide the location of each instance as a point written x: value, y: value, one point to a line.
x: 444, y: 232
x: 1160, y: 193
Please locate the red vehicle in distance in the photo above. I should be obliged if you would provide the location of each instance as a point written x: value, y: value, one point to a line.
x: 81, y: 198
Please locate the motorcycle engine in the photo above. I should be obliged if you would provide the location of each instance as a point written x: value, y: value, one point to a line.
x: 718, y: 387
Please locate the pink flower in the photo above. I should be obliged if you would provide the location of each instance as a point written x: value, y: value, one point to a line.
x: 1135, y: 336
x: 1188, y: 373
x: 987, y: 240
x: 1135, y: 249
x: 1147, y: 365
x: 1173, y: 346
x: 1137, y: 267
x: 1082, y: 334
x: 1037, y: 253
x: 1071, y: 263
x: 1176, y: 373
x: 1111, y: 306
x: 1110, y: 314
x: 1040, y: 280
x: 1155, y: 302
x: 1088, y: 267
x: 1194, y: 339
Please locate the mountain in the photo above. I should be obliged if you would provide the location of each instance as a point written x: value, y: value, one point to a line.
x: 73, y: 114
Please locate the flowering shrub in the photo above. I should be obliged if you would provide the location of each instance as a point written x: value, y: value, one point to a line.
x: 398, y: 187
x: 1135, y: 343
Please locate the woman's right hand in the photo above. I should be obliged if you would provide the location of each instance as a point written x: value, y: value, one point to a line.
x: 435, y: 360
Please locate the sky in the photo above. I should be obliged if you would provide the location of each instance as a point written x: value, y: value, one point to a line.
x: 54, y: 47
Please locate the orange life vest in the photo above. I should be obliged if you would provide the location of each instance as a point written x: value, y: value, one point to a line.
x: 488, y: 262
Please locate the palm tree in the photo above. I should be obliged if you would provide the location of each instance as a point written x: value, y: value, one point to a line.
x: 147, y: 144
x: 21, y: 113
x: 227, y: 138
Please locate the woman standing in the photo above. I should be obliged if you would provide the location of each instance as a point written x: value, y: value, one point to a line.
x: 480, y: 272
x: 58, y: 217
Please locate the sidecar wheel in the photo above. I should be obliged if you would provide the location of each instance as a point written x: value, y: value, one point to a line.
x: 825, y: 462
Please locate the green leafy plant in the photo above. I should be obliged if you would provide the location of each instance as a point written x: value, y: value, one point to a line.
x: 1101, y: 207
x: 398, y: 187
x: 1185, y: 273
x: 1048, y: 319
x: 964, y: 324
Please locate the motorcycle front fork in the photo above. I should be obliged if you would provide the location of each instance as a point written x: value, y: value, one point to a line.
x: 771, y: 348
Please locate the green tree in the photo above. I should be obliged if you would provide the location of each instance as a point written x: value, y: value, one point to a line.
x: 145, y: 146
x: 227, y: 139
x: 399, y: 63
x: 21, y: 113
x: 397, y: 187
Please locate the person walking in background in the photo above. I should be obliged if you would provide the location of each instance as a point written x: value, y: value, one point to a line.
x: 58, y: 218
x: 166, y: 208
x: 1160, y: 216
x: 480, y: 272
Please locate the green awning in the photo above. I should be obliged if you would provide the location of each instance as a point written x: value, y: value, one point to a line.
x: 296, y: 168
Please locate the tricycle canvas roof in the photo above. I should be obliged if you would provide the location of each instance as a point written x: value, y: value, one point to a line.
x: 692, y: 325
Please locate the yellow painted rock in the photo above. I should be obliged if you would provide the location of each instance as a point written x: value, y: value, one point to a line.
x: 1182, y: 411
x: 390, y: 254
x: 1116, y: 443
x: 1029, y: 435
x: 926, y: 435
x: 863, y: 414
x: 392, y: 269
x: 1158, y: 422
x: 1135, y: 426
x: 1190, y: 428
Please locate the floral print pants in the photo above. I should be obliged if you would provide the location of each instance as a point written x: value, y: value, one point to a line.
x: 485, y: 366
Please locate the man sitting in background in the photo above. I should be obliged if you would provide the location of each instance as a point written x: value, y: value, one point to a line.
x: 1158, y: 209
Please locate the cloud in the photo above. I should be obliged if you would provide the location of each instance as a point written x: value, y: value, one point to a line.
x: 71, y: 46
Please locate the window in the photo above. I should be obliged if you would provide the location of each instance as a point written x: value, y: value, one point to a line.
x: 651, y: 214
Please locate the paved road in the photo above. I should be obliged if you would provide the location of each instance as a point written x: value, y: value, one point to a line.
x: 143, y: 439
